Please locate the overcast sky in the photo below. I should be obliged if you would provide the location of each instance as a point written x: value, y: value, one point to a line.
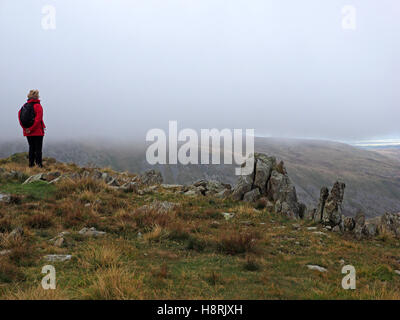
x: 283, y: 67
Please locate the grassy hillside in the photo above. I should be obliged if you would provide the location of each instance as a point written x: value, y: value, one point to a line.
x: 189, y: 251
x: 372, y: 179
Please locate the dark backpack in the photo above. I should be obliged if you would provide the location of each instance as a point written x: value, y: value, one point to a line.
x: 27, y: 115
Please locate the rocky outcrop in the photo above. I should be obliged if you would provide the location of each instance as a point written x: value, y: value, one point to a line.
x: 269, y: 180
x: 332, y: 209
x: 317, y: 214
x: 151, y: 177
x: 390, y: 222
x: 207, y: 187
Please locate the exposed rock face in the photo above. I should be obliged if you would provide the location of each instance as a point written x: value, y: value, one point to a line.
x: 324, y: 193
x: 390, y: 222
x: 332, y: 212
x: 151, y: 177
x: 269, y: 180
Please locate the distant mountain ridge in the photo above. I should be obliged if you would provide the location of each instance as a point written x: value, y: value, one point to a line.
x: 372, y: 178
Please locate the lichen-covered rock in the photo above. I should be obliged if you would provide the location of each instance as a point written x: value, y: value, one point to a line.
x: 243, y: 186
x: 359, y: 224
x: 263, y: 169
x: 324, y: 193
x: 281, y: 189
x: 151, y: 177
x: 348, y: 223
x: 390, y: 222
x: 252, y: 195
x: 332, y: 211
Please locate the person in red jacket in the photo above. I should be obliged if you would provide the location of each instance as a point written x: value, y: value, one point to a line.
x: 35, y: 133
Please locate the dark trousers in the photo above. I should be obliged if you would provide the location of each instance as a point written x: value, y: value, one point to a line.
x: 35, y: 150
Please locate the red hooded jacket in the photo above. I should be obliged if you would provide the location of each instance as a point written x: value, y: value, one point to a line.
x: 38, y: 126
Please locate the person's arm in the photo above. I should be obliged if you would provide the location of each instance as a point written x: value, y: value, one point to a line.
x: 38, y: 118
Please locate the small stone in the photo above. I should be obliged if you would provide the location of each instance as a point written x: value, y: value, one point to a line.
x: 341, y: 261
x: 296, y: 226
x: 311, y: 228
x: 87, y: 205
x: 397, y: 272
x: 320, y: 233
x: 91, y: 232
x: 228, y: 215
x: 57, y: 257
x: 316, y: 268
x: 59, y: 242
x: 139, y: 235
x: 4, y: 252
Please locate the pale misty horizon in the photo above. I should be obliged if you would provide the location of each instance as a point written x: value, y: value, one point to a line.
x: 117, y: 69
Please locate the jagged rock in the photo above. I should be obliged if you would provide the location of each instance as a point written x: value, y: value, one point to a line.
x: 50, y: 176
x: 359, y: 224
x: 243, y: 186
x: 316, y: 268
x: 223, y: 194
x: 60, y: 178
x: 263, y: 169
x: 151, y: 177
x: 371, y: 227
x: 113, y: 183
x: 324, y: 193
x: 252, y: 195
x: 209, y: 187
x: 280, y: 189
x: 57, y: 257
x: 130, y: 187
x: 348, y: 223
x: 332, y: 212
x: 34, y: 178
x: 390, y: 222
x: 302, y: 210
x: 91, y: 232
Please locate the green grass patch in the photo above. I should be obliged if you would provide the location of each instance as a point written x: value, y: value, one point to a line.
x: 35, y: 191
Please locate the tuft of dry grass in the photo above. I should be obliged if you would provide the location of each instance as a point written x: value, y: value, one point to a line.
x: 39, y: 221
x: 113, y: 283
x: 155, y: 235
x: 103, y: 256
x: 237, y: 243
x: 34, y: 293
